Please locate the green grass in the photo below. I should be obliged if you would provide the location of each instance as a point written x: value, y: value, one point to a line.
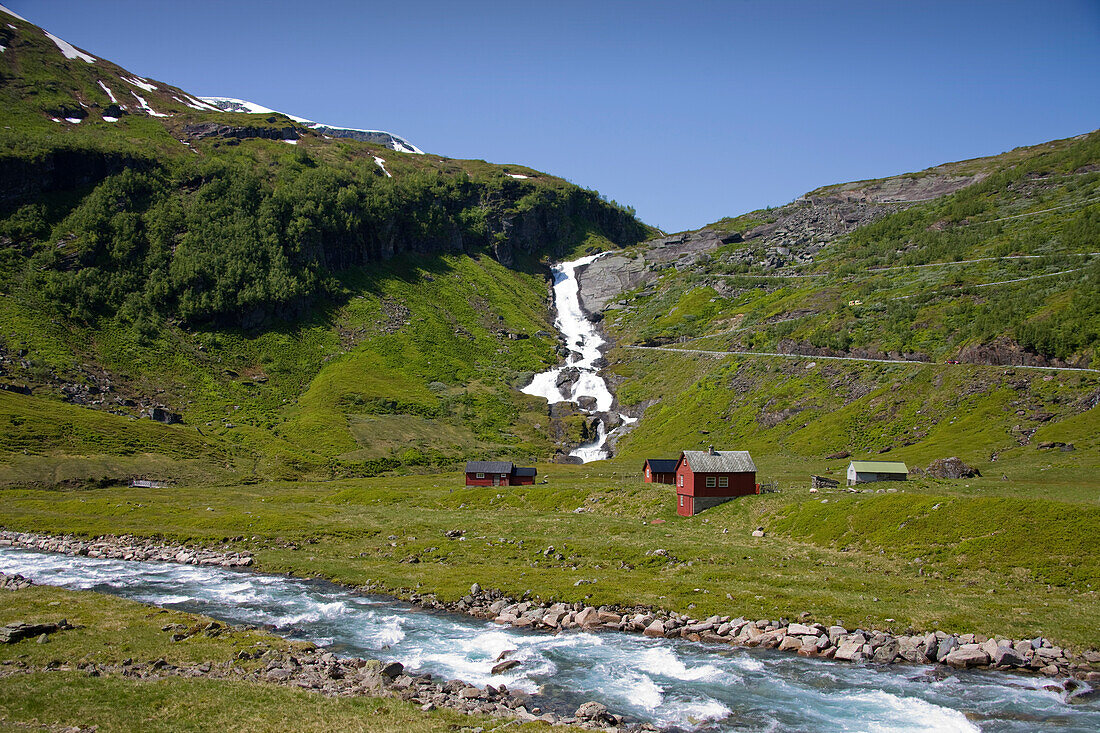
x: 111, y: 630
x: 1016, y: 566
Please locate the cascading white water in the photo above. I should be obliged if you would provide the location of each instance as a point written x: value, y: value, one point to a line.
x: 584, y: 342
x: 662, y: 682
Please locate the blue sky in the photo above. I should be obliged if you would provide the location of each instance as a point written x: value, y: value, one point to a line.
x: 688, y: 111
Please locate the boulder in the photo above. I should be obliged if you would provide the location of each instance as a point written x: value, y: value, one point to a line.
x: 887, y: 651
x: 505, y: 666
x: 951, y: 468
x: 850, y: 651
x: 966, y: 656
x: 655, y: 629
x: 594, y: 712
x: 587, y: 618
x: 1007, y: 656
x: 790, y: 643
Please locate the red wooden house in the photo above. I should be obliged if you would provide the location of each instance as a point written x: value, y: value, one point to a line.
x: 498, y: 473
x: 707, y: 478
x: 659, y: 470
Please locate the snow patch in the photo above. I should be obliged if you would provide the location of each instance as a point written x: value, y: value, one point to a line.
x: 139, y: 83
x: 74, y: 120
x: 193, y: 103
x: 382, y: 164
x: 69, y: 49
x: 107, y: 89
x: 109, y: 119
x: 518, y: 175
x: 55, y: 119
x: 3, y: 49
x: 291, y: 142
x: 145, y: 106
x: 240, y: 105
x: 14, y: 15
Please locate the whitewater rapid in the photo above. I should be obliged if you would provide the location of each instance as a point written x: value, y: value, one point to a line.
x: 584, y: 342
x: 664, y: 682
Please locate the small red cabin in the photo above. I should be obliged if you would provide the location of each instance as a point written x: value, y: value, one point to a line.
x: 659, y: 470
x: 707, y: 478
x: 498, y: 473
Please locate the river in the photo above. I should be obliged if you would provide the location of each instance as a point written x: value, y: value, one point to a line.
x: 583, y: 341
x: 669, y: 683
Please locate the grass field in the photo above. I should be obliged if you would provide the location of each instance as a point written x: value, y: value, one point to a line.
x: 962, y: 556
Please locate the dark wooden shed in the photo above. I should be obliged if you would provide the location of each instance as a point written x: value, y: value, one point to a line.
x: 659, y: 470
x: 498, y: 473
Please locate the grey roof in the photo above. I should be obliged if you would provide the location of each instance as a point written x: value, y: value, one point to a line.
x: 526, y: 471
x: 662, y: 465
x: 720, y: 461
x: 489, y: 466
x: 879, y: 467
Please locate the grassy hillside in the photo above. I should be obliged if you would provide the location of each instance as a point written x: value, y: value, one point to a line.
x: 327, y: 308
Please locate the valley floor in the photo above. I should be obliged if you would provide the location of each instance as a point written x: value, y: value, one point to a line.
x: 959, y: 556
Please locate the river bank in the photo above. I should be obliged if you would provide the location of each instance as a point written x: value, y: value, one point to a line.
x: 299, y: 665
x: 804, y: 637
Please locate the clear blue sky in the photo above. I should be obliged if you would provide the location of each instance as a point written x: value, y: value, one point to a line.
x: 689, y: 111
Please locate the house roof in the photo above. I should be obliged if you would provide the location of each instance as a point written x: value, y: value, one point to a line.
x: 525, y: 471
x: 662, y: 465
x: 489, y: 466
x: 879, y: 467
x: 719, y: 461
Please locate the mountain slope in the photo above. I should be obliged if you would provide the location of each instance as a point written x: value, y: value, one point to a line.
x: 962, y: 270
x: 293, y: 303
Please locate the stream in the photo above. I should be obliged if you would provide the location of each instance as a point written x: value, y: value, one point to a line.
x: 583, y: 342
x: 669, y: 683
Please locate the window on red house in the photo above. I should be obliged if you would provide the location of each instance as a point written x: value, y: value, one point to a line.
x: 723, y: 481
x: 710, y: 482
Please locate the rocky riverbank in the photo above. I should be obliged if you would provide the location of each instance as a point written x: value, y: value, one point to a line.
x: 306, y: 667
x: 805, y: 636
x: 127, y: 548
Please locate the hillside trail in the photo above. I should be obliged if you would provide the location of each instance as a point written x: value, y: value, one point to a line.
x: 816, y: 357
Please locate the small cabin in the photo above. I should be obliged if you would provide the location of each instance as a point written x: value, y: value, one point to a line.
x: 498, y: 473
x: 707, y: 478
x: 863, y: 472
x: 659, y: 470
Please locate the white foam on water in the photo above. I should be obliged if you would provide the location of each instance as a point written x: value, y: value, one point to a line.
x: 747, y: 663
x: 695, y: 712
x: 664, y: 662
x: 885, y: 712
x: 584, y: 342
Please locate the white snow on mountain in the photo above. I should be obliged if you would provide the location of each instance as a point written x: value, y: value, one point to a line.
x: 381, y: 163
x: 232, y: 104
x: 139, y: 83
x: 107, y: 89
x: 14, y: 15
x: 70, y: 51
x: 145, y: 106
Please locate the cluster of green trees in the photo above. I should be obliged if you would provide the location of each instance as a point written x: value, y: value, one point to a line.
x: 223, y: 242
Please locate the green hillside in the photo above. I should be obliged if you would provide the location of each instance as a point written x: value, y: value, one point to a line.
x: 327, y: 308
x: 998, y: 270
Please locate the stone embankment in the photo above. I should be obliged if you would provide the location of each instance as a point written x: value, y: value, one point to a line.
x: 807, y: 638
x: 126, y: 548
